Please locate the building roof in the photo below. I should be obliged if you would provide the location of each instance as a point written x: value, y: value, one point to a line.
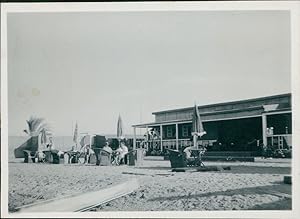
x: 225, y: 103
x: 250, y: 110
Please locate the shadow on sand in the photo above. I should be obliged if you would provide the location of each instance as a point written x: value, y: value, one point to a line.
x: 237, y: 169
x: 284, y: 204
x: 280, y: 190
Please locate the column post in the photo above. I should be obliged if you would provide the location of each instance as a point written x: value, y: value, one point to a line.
x: 161, y: 137
x: 177, y: 142
x: 134, y: 138
x: 264, y: 128
x: 147, y: 137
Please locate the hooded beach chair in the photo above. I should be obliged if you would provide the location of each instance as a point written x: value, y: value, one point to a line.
x: 177, y: 159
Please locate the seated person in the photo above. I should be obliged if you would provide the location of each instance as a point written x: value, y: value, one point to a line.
x: 188, y: 152
x: 41, y: 156
x: 188, y: 155
x: 123, y: 153
x: 107, y: 148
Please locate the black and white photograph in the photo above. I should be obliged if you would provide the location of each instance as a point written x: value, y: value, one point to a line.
x: 150, y: 109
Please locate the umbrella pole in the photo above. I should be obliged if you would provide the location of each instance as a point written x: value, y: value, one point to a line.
x: 195, y: 141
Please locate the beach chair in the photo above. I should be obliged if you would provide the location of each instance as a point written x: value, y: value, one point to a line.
x: 104, y: 158
x: 131, y: 155
x: 92, y: 159
x: 196, y: 159
x: 52, y: 156
x: 177, y: 159
x: 71, y: 157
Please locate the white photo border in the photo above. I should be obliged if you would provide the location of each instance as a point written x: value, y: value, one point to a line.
x: 292, y: 6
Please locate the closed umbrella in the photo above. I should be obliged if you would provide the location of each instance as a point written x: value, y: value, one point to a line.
x: 120, y: 129
x: 197, y: 126
x: 75, y: 136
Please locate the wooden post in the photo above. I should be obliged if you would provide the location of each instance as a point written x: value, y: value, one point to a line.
x: 134, y: 138
x: 264, y: 129
x: 161, y: 138
x: 177, y: 143
x: 147, y: 137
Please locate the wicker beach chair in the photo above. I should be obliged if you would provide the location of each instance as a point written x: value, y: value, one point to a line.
x: 71, y: 157
x: 92, y: 159
x: 177, y: 159
x: 104, y: 158
x: 52, y: 156
x: 29, y: 156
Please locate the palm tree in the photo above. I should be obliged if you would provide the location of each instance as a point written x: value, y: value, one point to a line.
x: 37, y: 126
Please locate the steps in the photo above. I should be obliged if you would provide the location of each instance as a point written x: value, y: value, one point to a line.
x: 228, y: 158
x: 246, y: 156
x: 231, y: 153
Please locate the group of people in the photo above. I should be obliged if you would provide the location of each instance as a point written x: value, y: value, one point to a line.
x: 118, y: 155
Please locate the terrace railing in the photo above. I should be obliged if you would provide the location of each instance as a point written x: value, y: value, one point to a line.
x: 171, y: 143
x: 280, y: 141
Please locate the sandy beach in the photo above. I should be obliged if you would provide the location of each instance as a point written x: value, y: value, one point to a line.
x: 246, y: 186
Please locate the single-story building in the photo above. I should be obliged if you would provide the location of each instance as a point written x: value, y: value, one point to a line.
x: 242, y: 125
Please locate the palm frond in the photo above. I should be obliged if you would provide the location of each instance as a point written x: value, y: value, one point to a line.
x: 36, y: 125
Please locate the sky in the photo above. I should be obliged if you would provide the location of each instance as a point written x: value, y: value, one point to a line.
x: 91, y: 67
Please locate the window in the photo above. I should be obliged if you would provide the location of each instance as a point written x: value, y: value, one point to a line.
x: 169, y: 132
x: 185, y: 131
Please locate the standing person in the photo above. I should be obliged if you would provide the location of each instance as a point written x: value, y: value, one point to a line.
x: 118, y: 154
x: 87, y: 151
x: 124, y: 152
x: 50, y: 145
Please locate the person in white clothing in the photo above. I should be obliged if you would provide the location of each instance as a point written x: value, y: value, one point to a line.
x: 188, y: 152
x: 121, y: 151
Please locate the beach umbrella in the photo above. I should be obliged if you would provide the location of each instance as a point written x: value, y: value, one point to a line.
x: 75, y: 136
x: 197, y: 126
x: 120, y: 129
